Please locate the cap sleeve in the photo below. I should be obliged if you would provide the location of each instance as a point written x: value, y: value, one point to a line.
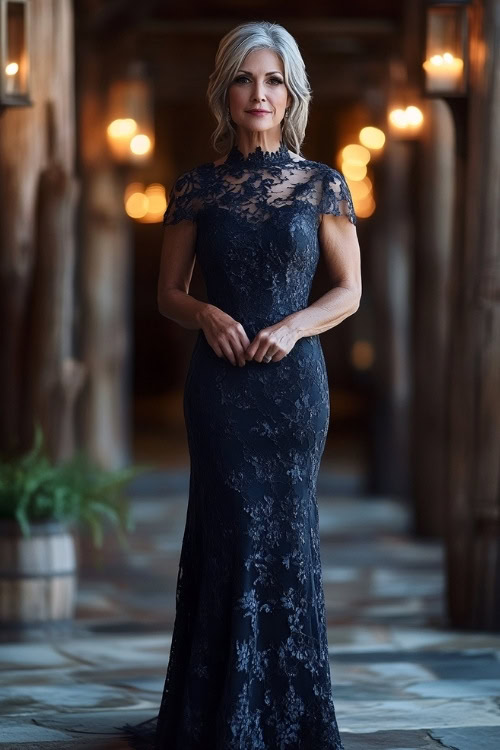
x: 184, y: 199
x: 336, y: 197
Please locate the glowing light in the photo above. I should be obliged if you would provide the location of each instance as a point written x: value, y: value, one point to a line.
x: 133, y: 187
x: 122, y: 128
x: 355, y: 154
x: 140, y: 144
x: 145, y: 205
x: 360, y: 189
x: 444, y: 71
x: 365, y: 208
x: 371, y: 137
x: 414, y: 115
x: 156, y: 199
x: 11, y: 69
x: 136, y: 205
x: 406, y: 119
x: 353, y: 171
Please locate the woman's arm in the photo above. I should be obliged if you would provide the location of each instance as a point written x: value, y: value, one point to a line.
x: 226, y: 336
x: 176, y: 270
x: 340, y: 248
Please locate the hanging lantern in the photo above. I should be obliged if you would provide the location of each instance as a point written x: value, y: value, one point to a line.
x: 446, y: 54
x: 14, y: 53
x: 130, y: 129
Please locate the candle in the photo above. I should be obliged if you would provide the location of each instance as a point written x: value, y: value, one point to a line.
x: 443, y: 72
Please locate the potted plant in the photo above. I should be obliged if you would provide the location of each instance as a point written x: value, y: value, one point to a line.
x: 41, y: 503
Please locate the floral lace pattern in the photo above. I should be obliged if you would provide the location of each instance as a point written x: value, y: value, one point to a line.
x: 248, y: 666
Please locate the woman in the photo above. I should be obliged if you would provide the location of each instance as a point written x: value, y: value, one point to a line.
x: 248, y: 665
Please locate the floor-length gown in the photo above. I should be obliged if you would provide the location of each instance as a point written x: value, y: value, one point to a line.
x: 248, y: 666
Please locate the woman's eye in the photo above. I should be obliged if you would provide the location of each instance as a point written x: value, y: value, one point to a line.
x: 240, y: 79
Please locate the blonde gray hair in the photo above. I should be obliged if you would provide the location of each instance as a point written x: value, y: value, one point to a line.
x: 232, y: 50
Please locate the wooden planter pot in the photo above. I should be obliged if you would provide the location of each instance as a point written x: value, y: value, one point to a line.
x: 37, y: 573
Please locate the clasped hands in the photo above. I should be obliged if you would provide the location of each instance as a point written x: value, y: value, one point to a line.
x: 228, y: 338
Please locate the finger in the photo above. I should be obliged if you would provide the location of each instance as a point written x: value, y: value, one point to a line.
x: 259, y: 345
x: 239, y: 353
x: 238, y: 345
x: 245, y: 341
x: 237, y: 349
x: 265, y: 347
x: 228, y: 351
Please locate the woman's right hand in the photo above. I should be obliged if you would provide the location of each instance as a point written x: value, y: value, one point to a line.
x: 226, y: 336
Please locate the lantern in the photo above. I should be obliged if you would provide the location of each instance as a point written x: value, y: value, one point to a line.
x: 14, y: 53
x: 446, y: 54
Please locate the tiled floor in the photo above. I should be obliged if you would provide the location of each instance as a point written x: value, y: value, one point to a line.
x: 402, y: 679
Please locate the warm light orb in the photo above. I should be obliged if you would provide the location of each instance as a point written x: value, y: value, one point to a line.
x: 355, y: 154
x: 145, y: 205
x: 133, y: 187
x: 122, y: 128
x: 353, y: 171
x: 11, y: 69
x: 371, y: 137
x: 414, y: 115
x: 406, y: 119
x: 156, y: 198
x: 444, y: 62
x: 140, y: 144
x: 365, y: 207
x: 136, y: 205
x: 360, y: 189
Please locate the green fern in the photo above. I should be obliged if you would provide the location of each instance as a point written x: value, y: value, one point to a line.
x: 32, y: 489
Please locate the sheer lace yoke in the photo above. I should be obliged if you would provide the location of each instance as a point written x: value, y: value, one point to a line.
x: 251, y: 187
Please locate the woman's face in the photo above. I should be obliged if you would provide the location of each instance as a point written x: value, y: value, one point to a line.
x: 259, y: 84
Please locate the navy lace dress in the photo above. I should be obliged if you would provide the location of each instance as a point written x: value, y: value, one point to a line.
x: 248, y: 666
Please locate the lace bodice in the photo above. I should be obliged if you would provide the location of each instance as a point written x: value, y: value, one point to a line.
x: 258, y: 187
x: 257, y: 219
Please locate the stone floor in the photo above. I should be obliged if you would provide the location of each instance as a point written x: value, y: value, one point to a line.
x: 402, y: 678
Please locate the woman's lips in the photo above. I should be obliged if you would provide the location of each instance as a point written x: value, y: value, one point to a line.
x: 258, y: 112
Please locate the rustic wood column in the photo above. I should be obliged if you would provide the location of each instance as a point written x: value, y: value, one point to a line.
x: 473, y: 513
x: 390, y: 271
x: 32, y: 139
x: 432, y: 267
x: 104, y: 275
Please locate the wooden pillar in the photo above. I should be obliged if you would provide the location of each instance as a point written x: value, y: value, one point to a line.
x: 473, y: 512
x: 32, y: 140
x: 390, y: 270
x: 104, y: 275
x: 432, y: 265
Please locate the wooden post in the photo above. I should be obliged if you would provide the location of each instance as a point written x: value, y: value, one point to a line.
x: 32, y: 138
x: 390, y: 269
x: 432, y: 268
x: 104, y: 279
x: 473, y: 512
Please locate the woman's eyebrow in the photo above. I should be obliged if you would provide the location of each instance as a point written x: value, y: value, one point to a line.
x: 267, y: 74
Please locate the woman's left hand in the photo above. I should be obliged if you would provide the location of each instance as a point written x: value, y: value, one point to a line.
x: 274, y: 342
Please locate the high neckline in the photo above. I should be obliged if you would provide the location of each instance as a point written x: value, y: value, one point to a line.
x: 258, y: 157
